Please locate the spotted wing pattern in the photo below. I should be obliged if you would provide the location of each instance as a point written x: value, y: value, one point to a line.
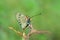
x: 21, y: 20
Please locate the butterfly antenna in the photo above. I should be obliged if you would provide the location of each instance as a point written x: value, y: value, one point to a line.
x: 35, y: 15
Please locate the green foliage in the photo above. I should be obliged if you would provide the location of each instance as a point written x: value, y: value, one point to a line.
x: 48, y: 20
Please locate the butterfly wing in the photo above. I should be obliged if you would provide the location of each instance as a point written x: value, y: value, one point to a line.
x: 21, y: 20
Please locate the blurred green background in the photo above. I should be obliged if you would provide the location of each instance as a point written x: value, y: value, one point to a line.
x: 48, y: 20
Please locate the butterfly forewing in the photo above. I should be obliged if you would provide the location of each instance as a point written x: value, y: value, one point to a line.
x: 21, y: 20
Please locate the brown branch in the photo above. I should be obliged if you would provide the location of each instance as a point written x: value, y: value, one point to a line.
x: 20, y: 33
x: 38, y: 32
x: 33, y: 31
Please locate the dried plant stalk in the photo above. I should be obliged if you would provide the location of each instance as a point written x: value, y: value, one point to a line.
x: 26, y: 37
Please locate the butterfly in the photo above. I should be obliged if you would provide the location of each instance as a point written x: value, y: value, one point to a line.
x: 23, y: 20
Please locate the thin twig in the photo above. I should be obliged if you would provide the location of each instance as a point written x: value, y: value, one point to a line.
x: 18, y: 32
x: 38, y: 32
x: 33, y: 31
